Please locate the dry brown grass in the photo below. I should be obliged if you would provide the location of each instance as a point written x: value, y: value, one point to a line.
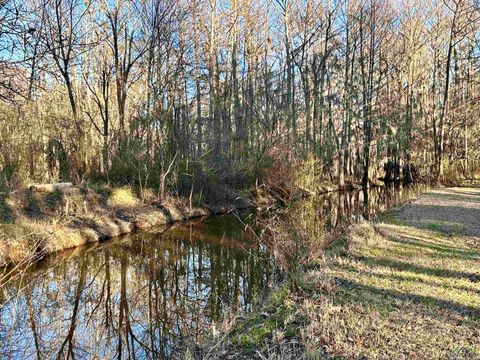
x: 395, y: 292
x: 123, y: 197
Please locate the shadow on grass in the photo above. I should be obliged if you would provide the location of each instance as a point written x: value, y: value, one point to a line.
x: 451, y: 219
x: 476, y: 194
x: 455, y: 196
x: 391, y: 299
x: 410, y: 267
x: 412, y: 278
x: 440, y: 250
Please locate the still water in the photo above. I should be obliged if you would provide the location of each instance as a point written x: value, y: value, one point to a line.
x: 152, y: 294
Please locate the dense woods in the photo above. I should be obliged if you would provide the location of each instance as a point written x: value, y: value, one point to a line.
x: 155, y: 91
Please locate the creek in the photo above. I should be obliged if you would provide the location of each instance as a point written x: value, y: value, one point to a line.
x: 150, y: 294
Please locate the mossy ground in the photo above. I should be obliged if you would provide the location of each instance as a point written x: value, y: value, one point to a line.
x: 388, y: 290
x: 279, y: 319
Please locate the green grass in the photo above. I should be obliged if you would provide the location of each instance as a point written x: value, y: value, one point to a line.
x: 278, y: 318
x: 443, y: 226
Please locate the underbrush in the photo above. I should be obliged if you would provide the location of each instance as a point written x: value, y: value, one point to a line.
x: 211, y: 178
x: 455, y: 172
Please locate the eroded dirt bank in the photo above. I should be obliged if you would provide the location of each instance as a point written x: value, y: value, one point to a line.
x: 45, y: 219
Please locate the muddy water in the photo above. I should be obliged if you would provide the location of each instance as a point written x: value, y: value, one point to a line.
x: 149, y: 295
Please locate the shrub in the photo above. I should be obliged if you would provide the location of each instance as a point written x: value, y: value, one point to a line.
x: 11, y: 178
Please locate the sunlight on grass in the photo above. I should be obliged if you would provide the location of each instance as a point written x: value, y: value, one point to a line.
x: 398, y: 289
x: 122, y: 197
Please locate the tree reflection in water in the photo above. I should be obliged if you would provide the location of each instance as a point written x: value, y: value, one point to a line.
x: 149, y: 295
x: 142, y: 296
x: 366, y: 204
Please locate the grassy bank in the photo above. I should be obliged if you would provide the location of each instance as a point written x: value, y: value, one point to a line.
x: 384, y: 290
x: 39, y: 220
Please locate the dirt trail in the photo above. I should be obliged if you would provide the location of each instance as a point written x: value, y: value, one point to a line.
x: 454, y: 211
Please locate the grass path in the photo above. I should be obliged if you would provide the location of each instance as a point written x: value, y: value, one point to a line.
x: 448, y: 210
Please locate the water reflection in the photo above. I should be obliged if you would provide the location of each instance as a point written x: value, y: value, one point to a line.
x: 142, y: 296
x: 366, y: 204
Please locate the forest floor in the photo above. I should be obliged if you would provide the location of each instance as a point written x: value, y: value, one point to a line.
x: 406, y: 286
